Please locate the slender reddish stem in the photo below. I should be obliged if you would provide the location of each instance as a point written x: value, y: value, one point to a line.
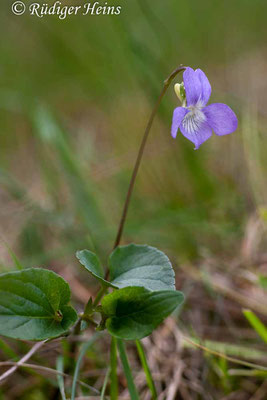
x: 167, y: 83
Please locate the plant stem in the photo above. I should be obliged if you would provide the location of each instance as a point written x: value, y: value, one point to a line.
x: 127, y: 370
x: 99, y: 295
x: 114, y: 383
x: 167, y: 83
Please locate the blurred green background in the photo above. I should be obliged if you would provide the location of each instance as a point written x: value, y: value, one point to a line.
x: 75, y: 97
x: 74, y: 100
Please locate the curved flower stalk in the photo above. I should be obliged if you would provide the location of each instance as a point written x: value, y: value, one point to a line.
x: 167, y: 83
x: 195, y: 120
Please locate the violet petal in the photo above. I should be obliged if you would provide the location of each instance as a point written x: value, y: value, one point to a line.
x: 178, y: 116
x: 205, y: 86
x: 199, y: 135
x: 221, y: 118
x: 193, y: 88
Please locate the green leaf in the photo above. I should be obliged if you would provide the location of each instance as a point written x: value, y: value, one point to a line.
x: 91, y: 262
x: 89, y: 307
x: 134, y: 312
x: 141, y: 265
x: 34, y: 305
x: 132, y: 265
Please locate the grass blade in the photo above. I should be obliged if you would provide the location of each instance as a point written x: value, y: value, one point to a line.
x: 247, y: 372
x: 146, y: 369
x: 256, y: 323
x: 83, y: 191
x: 60, y: 379
x: 103, y: 391
x: 127, y: 370
x: 226, y: 349
x: 83, y: 351
x: 113, y: 370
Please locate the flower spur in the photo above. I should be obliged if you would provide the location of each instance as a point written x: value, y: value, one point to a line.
x: 196, y: 120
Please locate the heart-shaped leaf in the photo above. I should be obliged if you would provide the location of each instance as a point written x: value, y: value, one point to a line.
x: 141, y: 265
x: 132, y: 265
x: 134, y: 312
x: 91, y: 262
x: 34, y: 305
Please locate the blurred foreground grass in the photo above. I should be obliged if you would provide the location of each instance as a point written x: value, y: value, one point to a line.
x: 74, y: 100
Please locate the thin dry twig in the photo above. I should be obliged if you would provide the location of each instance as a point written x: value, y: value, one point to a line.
x: 25, y: 358
x: 48, y: 370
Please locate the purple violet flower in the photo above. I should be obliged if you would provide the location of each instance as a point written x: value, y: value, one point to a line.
x: 196, y: 120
